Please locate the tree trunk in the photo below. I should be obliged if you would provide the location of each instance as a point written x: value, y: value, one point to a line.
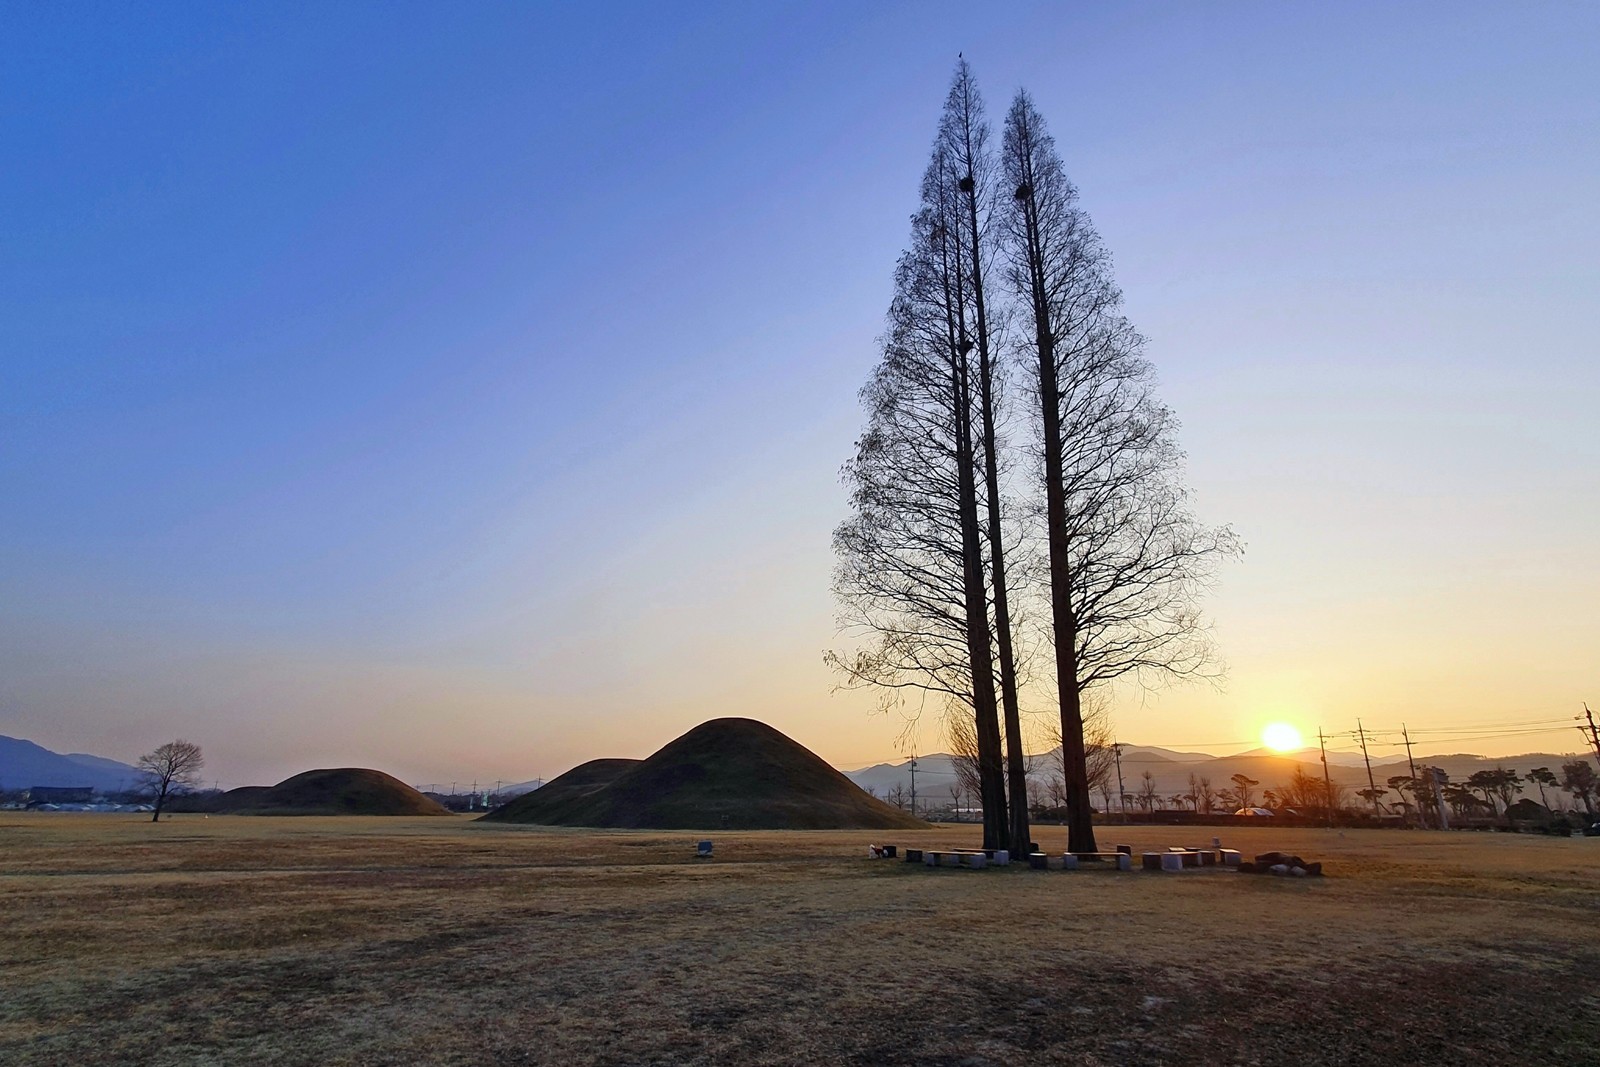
x: 980, y: 647
x: 1080, y: 812
x: 1016, y: 758
x: 991, y: 772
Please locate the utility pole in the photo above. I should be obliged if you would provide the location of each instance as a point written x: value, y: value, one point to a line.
x: 1322, y: 743
x: 1594, y: 733
x: 1420, y: 818
x: 1371, y: 785
x: 1122, y: 792
x: 913, y: 784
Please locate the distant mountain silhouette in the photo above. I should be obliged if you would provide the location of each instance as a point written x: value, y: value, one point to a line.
x: 1304, y: 755
x: 24, y: 764
x: 1170, y: 769
x: 336, y: 791
x: 727, y: 773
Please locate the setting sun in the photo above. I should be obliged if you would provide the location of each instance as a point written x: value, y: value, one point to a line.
x: 1281, y: 737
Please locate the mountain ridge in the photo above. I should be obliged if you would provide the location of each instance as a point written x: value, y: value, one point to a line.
x: 24, y: 764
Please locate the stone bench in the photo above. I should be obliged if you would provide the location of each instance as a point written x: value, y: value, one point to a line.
x: 976, y: 858
x: 1206, y: 855
x: 1070, y: 861
x: 998, y: 856
x: 953, y: 858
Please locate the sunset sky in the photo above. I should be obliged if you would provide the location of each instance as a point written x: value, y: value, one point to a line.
x: 460, y: 390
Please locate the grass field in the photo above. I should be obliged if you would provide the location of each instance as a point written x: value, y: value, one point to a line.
x: 241, y: 940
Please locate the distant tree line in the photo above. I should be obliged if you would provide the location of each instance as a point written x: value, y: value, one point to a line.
x: 1487, y: 794
x: 1018, y: 518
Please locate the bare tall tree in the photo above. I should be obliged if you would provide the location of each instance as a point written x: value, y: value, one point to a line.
x: 1126, y: 558
x: 911, y: 560
x: 174, y: 764
x: 964, y: 138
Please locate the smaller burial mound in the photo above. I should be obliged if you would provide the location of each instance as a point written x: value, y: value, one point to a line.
x: 334, y: 791
x: 565, y: 794
x: 735, y: 774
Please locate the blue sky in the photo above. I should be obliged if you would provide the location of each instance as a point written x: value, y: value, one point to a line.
x: 461, y: 391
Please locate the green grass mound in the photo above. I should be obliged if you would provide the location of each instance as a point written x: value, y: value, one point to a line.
x: 336, y: 791
x: 735, y: 774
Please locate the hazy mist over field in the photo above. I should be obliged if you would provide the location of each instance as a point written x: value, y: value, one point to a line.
x: 462, y: 391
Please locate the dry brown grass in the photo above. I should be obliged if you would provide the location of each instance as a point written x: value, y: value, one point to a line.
x: 374, y: 941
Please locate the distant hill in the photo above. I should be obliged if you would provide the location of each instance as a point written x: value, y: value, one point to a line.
x: 24, y: 764
x: 724, y: 774
x: 336, y: 791
x: 1304, y: 755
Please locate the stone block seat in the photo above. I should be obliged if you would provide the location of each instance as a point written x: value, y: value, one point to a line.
x: 976, y: 858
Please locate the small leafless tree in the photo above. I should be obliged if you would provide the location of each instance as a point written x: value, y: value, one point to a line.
x: 1303, y: 792
x: 174, y: 765
x: 1057, y: 791
x: 1149, y: 795
x: 1107, y: 789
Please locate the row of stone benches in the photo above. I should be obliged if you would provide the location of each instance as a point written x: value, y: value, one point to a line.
x: 1177, y: 859
x: 1174, y: 859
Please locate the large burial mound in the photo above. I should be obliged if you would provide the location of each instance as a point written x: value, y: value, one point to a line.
x: 735, y: 774
x: 340, y: 791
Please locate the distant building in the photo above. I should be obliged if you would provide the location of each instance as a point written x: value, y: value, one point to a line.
x: 56, y: 794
